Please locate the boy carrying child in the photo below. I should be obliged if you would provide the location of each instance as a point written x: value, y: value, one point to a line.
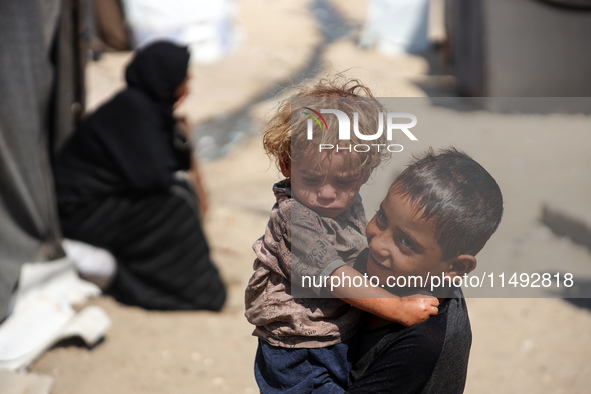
x: 438, y: 214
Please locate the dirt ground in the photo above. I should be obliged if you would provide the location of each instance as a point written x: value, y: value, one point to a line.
x: 519, y: 345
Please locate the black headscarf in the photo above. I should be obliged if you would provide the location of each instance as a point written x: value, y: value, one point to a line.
x: 158, y: 69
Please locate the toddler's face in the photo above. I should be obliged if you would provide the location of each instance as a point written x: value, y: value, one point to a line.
x: 401, y: 243
x: 328, y: 189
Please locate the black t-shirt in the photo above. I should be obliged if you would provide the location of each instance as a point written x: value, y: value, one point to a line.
x: 430, y: 357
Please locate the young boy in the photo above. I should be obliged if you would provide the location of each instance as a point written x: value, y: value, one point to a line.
x: 438, y: 214
x: 316, y: 230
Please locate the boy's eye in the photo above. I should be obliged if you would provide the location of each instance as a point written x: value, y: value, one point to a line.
x: 407, y: 243
x: 381, y: 218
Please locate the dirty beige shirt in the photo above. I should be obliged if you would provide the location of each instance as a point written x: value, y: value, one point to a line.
x: 297, y: 243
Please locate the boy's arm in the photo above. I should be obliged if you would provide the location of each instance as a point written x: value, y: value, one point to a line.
x: 380, y: 302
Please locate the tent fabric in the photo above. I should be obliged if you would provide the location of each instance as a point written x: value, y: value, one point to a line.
x: 29, y: 229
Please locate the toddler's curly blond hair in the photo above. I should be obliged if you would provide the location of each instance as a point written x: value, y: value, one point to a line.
x: 285, y: 137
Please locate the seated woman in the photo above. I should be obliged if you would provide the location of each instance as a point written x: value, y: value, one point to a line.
x: 118, y: 188
x: 437, y: 215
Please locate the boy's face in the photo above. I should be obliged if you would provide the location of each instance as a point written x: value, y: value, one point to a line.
x: 330, y: 188
x: 401, y: 243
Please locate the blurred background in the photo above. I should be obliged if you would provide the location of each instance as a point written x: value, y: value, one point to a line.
x: 244, y: 53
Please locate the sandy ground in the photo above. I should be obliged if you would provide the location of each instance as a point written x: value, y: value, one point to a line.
x: 519, y: 345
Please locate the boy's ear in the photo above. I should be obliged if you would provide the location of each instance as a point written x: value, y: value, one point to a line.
x: 463, y: 264
x: 285, y: 169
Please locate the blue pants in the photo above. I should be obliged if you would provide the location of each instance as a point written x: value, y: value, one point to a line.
x: 303, y: 370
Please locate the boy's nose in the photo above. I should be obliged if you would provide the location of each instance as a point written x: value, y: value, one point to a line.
x: 378, y: 247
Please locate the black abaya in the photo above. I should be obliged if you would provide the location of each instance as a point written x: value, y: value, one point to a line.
x: 116, y: 189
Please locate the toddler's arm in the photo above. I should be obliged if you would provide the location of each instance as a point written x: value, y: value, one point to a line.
x: 380, y: 302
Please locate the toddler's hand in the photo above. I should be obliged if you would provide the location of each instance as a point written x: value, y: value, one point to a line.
x: 416, y: 309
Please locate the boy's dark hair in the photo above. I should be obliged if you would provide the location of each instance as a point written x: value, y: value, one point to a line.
x: 457, y: 195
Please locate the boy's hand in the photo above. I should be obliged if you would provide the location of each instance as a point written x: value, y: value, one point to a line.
x: 414, y: 310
